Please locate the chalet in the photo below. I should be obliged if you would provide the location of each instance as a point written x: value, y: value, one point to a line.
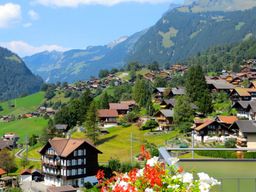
x: 66, y: 188
x: 219, y: 85
x: 159, y: 93
x: 242, y: 94
x: 121, y: 108
x: 131, y: 104
x: 150, y: 76
x: 167, y: 104
x: 176, y: 91
x: 61, y: 127
x: 246, y: 133
x: 164, y: 75
x: 242, y: 108
x: 211, y: 127
x: 69, y: 162
x: 164, y: 118
x: 12, y: 138
x: 226, y: 121
x: 247, y: 69
x: 107, y: 117
x: 178, y: 68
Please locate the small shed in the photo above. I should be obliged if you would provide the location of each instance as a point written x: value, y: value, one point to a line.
x: 26, y: 175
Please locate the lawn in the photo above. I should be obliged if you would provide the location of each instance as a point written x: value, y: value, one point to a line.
x: 24, y: 127
x: 117, y: 144
x: 22, y: 105
x: 229, y: 172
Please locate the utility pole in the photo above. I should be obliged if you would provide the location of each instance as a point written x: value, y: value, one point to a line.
x: 193, y: 144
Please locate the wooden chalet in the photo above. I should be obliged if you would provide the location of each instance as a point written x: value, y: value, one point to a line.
x: 246, y: 133
x: 243, y: 94
x: 219, y: 85
x: 150, y: 76
x: 211, y: 127
x: 164, y: 118
x: 121, y: 108
x: 69, y: 162
x: 107, y: 117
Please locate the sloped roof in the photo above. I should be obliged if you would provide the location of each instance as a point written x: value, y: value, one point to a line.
x: 220, y: 84
x: 2, y: 171
x: 178, y: 91
x: 130, y: 102
x: 243, y: 104
x: 61, y: 126
x: 107, y: 113
x: 161, y: 89
x: 246, y: 126
x: 205, y: 124
x: 119, y: 106
x: 227, y: 119
x: 165, y: 112
x: 26, y: 172
x: 64, y: 147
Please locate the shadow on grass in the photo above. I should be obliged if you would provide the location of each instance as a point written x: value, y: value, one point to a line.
x: 106, y: 139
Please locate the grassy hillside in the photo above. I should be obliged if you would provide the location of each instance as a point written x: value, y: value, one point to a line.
x: 22, y: 105
x: 24, y: 127
x: 117, y: 144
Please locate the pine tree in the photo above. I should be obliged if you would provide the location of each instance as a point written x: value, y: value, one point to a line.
x: 196, y: 89
x: 91, y: 123
x: 183, y: 113
x: 104, y: 102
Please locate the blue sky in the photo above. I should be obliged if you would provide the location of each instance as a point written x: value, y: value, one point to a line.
x: 30, y: 26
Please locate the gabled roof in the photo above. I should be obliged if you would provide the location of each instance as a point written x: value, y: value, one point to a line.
x: 160, y: 89
x: 130, y: 102
x: 205, y: 124
x: 178, y: 91
x: 220, y: 84
x: 64, y: 147
x: 165, y: 112
x: 227, y: 119
x: 2, y: 171
x: 119, y: 106
x: 243, y: 104
x: 5, y: 144
x: 107, y: 113
x: 244, y: 92
x: 245, y: 126
x: 26, y: 172
x: 252, y: 84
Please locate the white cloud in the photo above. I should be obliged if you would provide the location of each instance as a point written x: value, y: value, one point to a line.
x: 75, y: 3
x: 24, y: 49
x: 33, y: 15
x: 9, y: 14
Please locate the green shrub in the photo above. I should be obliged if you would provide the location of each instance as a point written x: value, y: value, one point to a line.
x: 150, y: 124
x: 230, y: 143
x: 250, y: 155
x: 218, y: 154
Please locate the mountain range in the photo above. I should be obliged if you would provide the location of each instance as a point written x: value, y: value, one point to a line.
x: 182, y: 32
x: 16, y: 79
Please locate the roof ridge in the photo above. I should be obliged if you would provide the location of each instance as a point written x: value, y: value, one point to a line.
x: 65, y: 146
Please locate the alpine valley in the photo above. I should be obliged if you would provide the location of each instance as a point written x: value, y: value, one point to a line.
x: 182, y: 32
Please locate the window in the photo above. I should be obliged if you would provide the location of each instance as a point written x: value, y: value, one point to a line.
x: 74, y: 162
x: 80, y: 152
x: 84, y: 170
x: 84, y: 152
x: 75, y: 153
x: 84, y: 161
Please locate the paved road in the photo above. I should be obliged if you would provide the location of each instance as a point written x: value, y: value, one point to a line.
x: 32, y: 186
x: 19, y: 155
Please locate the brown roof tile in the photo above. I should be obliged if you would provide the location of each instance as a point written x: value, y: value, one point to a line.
x: 107, y: 113
x: 2, y: 171
x: 119, y: 106
x: 64, y: 147
x: 227, y: 119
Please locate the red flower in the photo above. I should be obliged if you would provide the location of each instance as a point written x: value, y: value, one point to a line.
x: 100, y: 175
x: 180, y: 169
